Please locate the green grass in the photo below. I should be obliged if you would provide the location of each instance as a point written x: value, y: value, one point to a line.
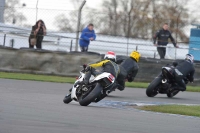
x: 137, y: 84
x: 62, y: 79
x: 174, y: 109
x: 36, y: 77
x: 145, y: 85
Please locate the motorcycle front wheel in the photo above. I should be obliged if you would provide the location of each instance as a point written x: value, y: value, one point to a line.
x: 67, y: 99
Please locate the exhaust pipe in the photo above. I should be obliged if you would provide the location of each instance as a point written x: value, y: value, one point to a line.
x: 107, y: 92
x: 164, y: 81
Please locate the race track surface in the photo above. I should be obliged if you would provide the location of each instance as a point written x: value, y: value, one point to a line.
x: 37, y: 107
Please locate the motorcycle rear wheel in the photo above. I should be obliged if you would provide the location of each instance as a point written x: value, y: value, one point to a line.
x: 88, y: 98
x: 151, y: 89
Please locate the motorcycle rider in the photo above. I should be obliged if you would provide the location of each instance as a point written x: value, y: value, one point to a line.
x: 184, y: 69
x: 128, y: 69
x: 108, y: 64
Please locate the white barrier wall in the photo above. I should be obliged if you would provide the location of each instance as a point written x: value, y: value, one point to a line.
x: 44, y: 62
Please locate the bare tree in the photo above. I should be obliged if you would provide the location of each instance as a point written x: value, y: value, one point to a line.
x: 140, y: 19
x: 125, y: 17
x: 63, y: 23
x: 176, y: 14
x: 12, y: 14
x: 67, y: 21
x: 134, y: 18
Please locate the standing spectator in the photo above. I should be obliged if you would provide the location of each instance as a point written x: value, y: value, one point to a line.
x: 87, y: 35
x: 38, y: 31
x: 162, y: 37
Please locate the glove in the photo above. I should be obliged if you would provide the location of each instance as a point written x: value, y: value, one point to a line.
x: 175, y: 64
x: 84, y: 65
x: 130, y: 79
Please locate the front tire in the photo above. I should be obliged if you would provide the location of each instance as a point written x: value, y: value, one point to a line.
x: 151, y: 90
x: 86, y: 100
x: 67, y: 99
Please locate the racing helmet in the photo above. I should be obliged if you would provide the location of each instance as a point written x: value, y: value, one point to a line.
x: 110, y: 55
x: 189, y: 57
x: 135, y: 55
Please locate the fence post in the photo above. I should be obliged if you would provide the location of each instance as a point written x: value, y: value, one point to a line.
x: 129, y: 19
x: 175, y: 53
x: 12, y: 43
x: 71, y: 45
x: 78, y: 24
x: 4, y: 40
x: 36, y: 10
x: 153, y: 20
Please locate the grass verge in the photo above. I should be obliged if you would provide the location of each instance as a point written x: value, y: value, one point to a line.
x: 36, y: 77
x: 61, y: 79
x: 174, y: 109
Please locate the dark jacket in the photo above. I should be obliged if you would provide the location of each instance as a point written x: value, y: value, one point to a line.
x: 85, y: 37
x: 39, y: 34
x: 128, y: 70
x: 163, y: 36
x: 187, y: 69
x: 130, y: 66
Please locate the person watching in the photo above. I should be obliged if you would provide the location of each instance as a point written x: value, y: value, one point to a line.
x: 162, y: 37
x: 87, y: 35
x: 37, y: 33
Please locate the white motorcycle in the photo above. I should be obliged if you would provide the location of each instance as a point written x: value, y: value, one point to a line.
x: 97, y: 89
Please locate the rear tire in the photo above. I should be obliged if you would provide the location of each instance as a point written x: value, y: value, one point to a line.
x: 67, y: 99
x: 85, y: 101
x: 151, y: 89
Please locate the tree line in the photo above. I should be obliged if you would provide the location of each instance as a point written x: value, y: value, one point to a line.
x: 133, y: 18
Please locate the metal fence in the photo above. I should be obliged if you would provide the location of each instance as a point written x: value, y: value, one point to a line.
x: 118, y: 30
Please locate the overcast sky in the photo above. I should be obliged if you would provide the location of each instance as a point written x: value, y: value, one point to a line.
x: 59, y: 4
x: 49, y: 15
x: 67, y: 4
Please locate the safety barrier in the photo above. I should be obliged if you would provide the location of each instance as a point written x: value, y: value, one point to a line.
x: 26, y: 60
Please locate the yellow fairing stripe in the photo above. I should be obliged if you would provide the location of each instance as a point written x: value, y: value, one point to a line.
x: 99, y: 64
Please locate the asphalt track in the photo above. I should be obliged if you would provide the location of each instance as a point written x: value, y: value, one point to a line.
x: 37, y: 107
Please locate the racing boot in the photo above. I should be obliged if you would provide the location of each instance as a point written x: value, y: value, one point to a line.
x: 121, y: 88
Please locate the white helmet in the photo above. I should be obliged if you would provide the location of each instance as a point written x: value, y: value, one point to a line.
x: 110, y: 55
x: 189, y: 57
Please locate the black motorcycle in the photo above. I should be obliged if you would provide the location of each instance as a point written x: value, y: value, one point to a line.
x: 164, y: 83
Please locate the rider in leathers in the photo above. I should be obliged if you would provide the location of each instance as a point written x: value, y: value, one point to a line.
x: 184, y: 69
x: 128, y: 69
x: 108, y: 65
